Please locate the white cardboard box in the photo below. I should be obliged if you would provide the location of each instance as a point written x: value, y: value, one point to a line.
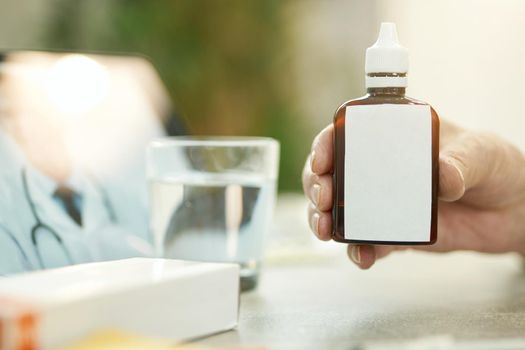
x: 171, y: 299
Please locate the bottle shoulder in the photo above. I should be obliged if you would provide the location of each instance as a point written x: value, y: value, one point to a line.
x: 382, y: 99
x: 376, y: 100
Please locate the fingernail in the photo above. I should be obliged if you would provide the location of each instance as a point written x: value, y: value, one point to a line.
x: 461, y: 176
x: 355, y: 254
x: 316, y: 193
x: 456, y: 189
x: 312, y: 160
x: 315, y: 223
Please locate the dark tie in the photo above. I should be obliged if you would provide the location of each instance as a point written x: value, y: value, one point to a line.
x: 67, y: 196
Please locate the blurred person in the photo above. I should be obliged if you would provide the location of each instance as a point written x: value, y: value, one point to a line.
x: 53, y: 211
x: 481, y: 193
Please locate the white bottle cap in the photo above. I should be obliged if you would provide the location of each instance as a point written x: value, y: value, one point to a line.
x: 386, y: 56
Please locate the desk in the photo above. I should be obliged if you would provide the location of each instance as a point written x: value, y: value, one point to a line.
x: 319, y: 300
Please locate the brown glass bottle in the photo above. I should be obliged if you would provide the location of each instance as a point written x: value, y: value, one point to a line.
x: 376, y: 96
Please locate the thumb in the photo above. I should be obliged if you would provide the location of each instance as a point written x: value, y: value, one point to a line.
x: 482, y: 165
x: 451, y: 180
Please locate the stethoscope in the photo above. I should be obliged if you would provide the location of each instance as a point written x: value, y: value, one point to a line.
x: 40, y: 228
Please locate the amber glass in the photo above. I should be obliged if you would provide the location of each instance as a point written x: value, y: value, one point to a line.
x: 389, y: 95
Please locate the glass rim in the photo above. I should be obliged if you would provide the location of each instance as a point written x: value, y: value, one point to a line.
x: 213, y: 141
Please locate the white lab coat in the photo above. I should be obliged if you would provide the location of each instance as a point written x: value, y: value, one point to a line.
x: 99, y: 237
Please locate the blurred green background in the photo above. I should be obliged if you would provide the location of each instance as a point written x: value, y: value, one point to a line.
x: 280, y: 68
x: 232, y: 67
x: 226, y: 63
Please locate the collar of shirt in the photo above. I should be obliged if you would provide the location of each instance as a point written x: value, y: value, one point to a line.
x: 47, y: 186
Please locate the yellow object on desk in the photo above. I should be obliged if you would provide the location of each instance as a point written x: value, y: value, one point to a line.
x: 117, y: 340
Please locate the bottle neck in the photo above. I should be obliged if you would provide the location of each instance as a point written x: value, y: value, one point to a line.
x: 386, y: 91
x: 391, y: 84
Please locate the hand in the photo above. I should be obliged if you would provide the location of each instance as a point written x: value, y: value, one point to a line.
x: 481, y: 193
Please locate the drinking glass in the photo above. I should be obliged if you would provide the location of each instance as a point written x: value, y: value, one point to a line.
x: 212, y: 199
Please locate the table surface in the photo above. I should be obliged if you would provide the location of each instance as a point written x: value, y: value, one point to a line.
x: 311, y: 296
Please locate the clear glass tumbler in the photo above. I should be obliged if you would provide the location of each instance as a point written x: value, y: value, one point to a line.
x: 212, y: 199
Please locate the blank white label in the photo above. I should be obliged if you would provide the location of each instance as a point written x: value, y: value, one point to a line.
x: 388, y: 173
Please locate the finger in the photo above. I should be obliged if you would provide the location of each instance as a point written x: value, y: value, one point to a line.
x: 465, y: 159
x: 320, y: 223
x: 319, y: 190
x: 481, y: 167
x: 322, y: 151
x: 324, y: 196
x: 311, y: 185
x: 364, y: 256
x: 308, y: 177
x: 451, y: 181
